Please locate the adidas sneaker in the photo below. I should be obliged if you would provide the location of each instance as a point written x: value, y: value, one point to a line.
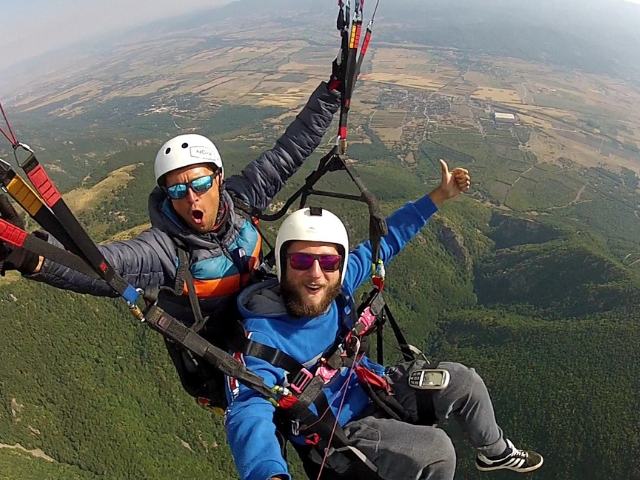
x: 513, y: 459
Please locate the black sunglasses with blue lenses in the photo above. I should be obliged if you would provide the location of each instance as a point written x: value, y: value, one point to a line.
x: 199, y: 185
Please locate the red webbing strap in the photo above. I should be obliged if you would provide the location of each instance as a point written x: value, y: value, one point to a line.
x: 44, y: 186
x: 11, y: 234
x: 365, y: 42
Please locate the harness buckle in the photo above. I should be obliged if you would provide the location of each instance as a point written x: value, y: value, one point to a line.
x: 326, y: 372
x: 295, y: 428
x: 366, y: 322
x: 297, y: 384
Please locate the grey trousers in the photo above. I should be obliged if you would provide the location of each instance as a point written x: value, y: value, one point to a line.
x: 402, y: 450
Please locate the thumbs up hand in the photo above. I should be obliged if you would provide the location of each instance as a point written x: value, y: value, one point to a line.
x: 453, y: 183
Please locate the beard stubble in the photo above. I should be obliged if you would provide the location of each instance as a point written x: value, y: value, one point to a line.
x: 295, y: 306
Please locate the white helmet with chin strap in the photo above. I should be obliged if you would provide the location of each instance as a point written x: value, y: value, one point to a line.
x: 185, y: 150
x: 312, y: 225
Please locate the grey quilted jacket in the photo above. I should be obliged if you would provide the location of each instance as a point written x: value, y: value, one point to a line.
x: 150, y: 259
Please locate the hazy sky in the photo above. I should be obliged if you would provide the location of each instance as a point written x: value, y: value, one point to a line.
x: 31, y: 27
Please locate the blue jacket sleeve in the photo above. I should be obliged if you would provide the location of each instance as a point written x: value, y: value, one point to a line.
x: 403, y: 225
x: 148, y: 259
x: 251, y: 432
x: 259, y: 182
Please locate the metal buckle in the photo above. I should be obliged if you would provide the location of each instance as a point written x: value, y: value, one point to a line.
x: 295, y: 428
x: 297, y: 385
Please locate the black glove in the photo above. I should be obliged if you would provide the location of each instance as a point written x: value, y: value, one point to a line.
x: 13, y: 258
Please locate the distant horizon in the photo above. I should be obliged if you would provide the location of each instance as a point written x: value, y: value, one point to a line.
x: 57, y: 24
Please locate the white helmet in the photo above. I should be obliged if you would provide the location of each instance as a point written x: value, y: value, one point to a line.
x: 313, y: 225
x: 185, y: 150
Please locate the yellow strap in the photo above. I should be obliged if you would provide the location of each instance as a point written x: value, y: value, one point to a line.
x: 352, y: 39
x: 26, y: 196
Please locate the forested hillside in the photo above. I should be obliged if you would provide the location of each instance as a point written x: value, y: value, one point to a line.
x: 567, y: 388
x: 95, y: 391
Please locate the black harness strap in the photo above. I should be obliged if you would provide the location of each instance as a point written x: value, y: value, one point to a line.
x: 184, y: 276
x: 380, y: 346
x: 200, y: 320
x: 275, y: 357
x: 183, y: 268
x: 324, y: 424
x: 176, y: 331
x: 298, y: 374
x: 378, y: 307
x: 326, y: 432
x: 383, y: 405
x: 408, y: 352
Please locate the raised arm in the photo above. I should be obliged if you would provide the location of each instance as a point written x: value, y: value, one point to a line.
x: 263, y: 178
x: 404, y: 224
x: 145, y: 260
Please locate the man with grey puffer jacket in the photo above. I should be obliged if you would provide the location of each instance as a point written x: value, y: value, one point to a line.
x: 193, y: 206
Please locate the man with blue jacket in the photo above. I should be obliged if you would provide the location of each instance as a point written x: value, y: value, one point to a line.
x: 298, y: 318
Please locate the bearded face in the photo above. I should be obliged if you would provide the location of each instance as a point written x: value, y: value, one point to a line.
x: 308, y: 292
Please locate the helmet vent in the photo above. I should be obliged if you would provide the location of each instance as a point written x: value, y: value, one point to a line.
x: 315, y: 211
x: 166, y: 152
x: 185, y: 145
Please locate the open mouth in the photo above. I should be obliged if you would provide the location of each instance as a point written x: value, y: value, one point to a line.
x: 313, y: 288
x: 197, y: 216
